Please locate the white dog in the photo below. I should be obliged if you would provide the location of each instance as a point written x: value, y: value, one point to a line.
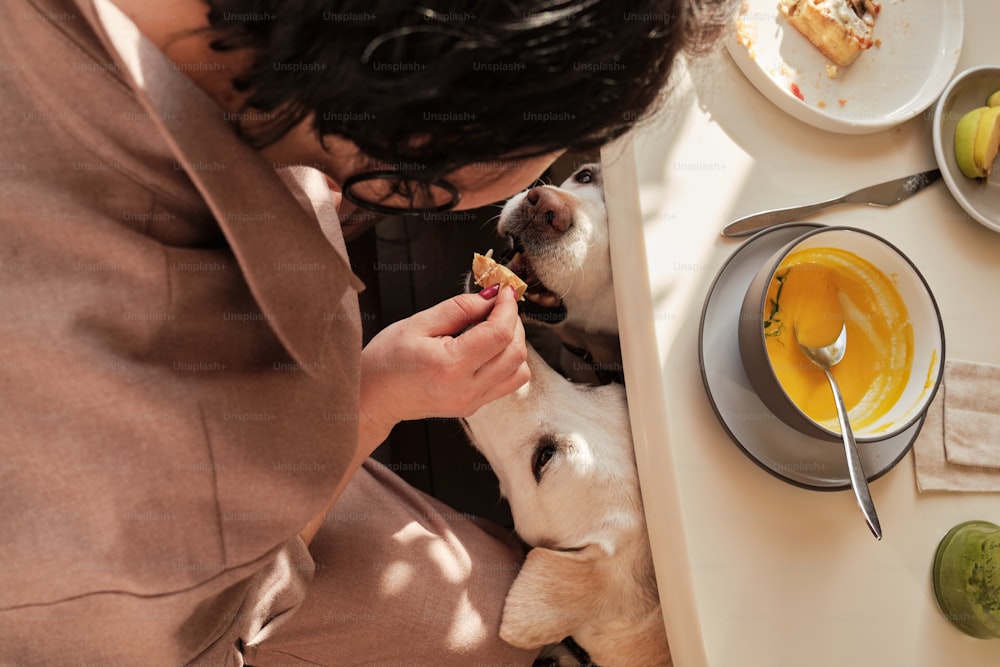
x: 559, y: 236
x: 563, y: 454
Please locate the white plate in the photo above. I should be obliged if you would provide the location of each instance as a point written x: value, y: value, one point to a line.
x: 899, y: 78
x: 778, y: 448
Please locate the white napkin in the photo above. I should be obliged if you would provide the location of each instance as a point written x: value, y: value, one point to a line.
x: 972, y: 414
x: 958, y: 448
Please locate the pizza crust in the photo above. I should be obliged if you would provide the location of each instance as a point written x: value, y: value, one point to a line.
x: 487, y: 273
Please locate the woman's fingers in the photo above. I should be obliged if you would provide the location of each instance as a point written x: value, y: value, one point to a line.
x: 452, y: 317
x: 501, y: 330
x: 507, y: 370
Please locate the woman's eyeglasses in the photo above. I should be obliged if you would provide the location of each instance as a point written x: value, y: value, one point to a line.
x: 390, y: 193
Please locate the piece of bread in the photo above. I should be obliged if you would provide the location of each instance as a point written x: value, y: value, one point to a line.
x: 840, y: 29
x: 488, y: 273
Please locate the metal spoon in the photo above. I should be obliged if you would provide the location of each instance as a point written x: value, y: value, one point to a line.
x: 825, y: 357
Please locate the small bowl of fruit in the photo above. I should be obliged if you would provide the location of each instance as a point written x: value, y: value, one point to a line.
x: 967, y: 139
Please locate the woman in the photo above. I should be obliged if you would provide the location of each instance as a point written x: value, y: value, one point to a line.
x: 189, y: 408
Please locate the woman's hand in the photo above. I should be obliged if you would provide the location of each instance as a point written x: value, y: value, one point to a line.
x: 445, y: 361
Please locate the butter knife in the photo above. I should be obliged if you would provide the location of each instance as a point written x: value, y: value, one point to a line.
x: 883, y: 194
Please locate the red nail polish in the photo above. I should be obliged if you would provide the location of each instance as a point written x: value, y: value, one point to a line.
x: 490, y: 292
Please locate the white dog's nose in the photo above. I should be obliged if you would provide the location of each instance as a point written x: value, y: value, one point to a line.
x: 546, y: 210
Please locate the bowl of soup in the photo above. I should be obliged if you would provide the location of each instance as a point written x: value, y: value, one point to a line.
x: 825, y: 280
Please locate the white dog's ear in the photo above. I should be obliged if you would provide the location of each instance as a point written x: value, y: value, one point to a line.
x: 552, y: 595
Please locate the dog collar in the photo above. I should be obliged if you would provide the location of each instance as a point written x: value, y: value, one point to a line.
x: 606, y: 373
x: 579, y: 654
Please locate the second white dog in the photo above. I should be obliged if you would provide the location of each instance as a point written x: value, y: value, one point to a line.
x: 563, y: 454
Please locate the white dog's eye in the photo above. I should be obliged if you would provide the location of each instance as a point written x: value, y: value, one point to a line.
x: 583, y: 176
x: 546, y: 449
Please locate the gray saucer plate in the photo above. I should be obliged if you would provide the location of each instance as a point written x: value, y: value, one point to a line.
x: 778, y: 448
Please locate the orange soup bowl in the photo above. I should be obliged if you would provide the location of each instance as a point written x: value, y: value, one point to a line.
x: 894, y: 359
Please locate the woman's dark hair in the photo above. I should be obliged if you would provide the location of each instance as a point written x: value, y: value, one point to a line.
x: 433, y: 85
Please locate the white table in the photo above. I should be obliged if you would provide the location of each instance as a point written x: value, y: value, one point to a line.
x: 754, y: 571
